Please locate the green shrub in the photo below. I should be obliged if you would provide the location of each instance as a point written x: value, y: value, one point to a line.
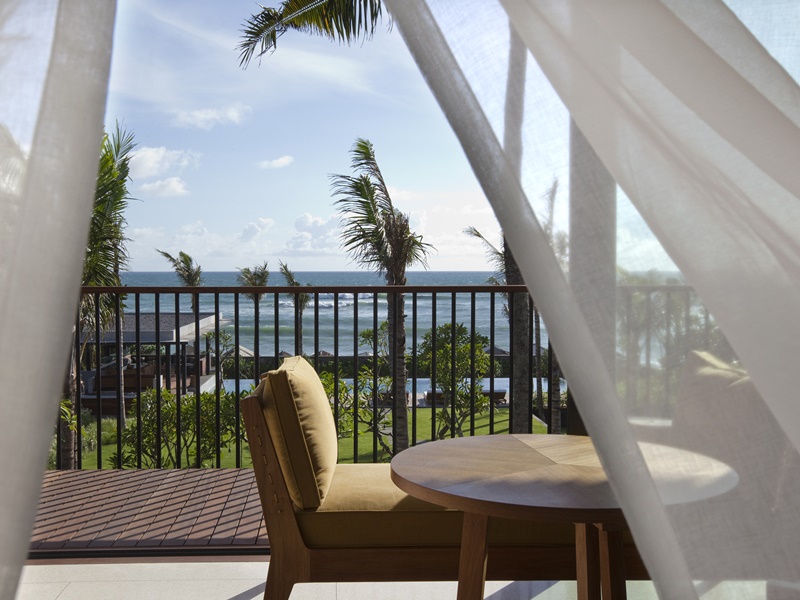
x: 163, y: 437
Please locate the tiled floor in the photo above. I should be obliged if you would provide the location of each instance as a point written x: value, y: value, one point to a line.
x: 244, y: 580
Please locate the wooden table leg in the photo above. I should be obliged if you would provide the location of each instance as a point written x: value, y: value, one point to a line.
x: 587, y: 561
x: 612, y: 563
x: 472, y: 565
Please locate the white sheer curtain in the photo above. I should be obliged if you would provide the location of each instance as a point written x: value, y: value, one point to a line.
x: 676, y: 321
x: 54, y: 65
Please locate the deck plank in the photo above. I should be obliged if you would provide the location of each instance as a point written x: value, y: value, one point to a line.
x: 148, y: 512
x: 213, y: 510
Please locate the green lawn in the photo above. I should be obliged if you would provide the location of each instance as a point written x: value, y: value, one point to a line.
x: 227, y: 457
x: 484, y: 424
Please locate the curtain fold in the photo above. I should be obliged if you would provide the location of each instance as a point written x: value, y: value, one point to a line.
x: 698, y: 126
x: 54, y: 77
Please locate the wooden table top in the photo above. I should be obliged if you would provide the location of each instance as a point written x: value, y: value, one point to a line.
x: 535, y: 477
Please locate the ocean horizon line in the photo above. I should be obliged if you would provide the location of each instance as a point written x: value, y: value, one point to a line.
x: 168, y: 271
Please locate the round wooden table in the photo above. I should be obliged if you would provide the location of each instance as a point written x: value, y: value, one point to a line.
x: 535, y: 477
x: 540, y: 478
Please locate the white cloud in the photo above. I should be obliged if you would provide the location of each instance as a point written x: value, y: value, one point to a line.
x: 213, y: 248
x: 315, y: 236
x: 278, y: 163
x: 149, y: 162
x: 208, y: 118
x: 254, y: 229
x: 146, y: 236
x: 639, y: 250
x: 166, y: 188
x: 193, y: 229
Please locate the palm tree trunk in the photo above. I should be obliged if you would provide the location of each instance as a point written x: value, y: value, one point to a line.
x: 120, y: 350
x: 68, y: 437
x: 537, y: 333
x: 397, y: 362
x: 520, y: 348
x: 554, y: 392
x: 298, y: 326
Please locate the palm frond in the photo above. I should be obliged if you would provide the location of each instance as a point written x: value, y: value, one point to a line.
x: 495, y: 255
x: 550, y: 200
x: 301, y: 299
x: 558, y: 240
x: 338, y: 20
x: 374, y: 232
x: 258, y: 276
x: 106, y: 254
x: 185, y: 268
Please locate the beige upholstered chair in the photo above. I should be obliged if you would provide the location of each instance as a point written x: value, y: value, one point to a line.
x: 721, y: 414
x: 349, y: 522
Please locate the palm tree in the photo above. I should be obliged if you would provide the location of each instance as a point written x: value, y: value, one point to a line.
x: 105, y: 257
x: 106, y: 252
x: 188, y: 271
x: 301, y: 301
x: 508, y: 273
x: 258, y: 276
x: 338, y: 20
x: 506, y: 268
x: 378, y: 236
x: 559, y: 242
x: 496, y: 258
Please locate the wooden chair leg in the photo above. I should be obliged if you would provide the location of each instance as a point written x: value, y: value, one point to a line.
x: 587, y: 561
x: 281, y: 577
x: 612, y: 563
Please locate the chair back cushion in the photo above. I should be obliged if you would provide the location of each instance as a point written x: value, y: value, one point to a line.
x: 301, y: 426
x: 710, y: 390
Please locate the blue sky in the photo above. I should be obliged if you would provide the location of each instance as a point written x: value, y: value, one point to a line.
x: 232, y: 165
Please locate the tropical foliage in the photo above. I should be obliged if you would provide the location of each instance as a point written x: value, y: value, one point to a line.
x: 301, y: 300
x: 507, y: 272
x: 258, y: 276
x: 106, y: 254
x: 188, y: 271
x: 104, y: 258
x: 366, y: 407
x: 378, y: 236
x: 455, y: 355
x: 339, y: 20
x: 168, y: 441
x: 659, y: 321
x: 363, y: 408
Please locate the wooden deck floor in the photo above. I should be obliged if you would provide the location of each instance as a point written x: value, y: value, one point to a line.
x: 165, y: 512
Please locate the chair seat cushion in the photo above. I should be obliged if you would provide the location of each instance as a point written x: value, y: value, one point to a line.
x: 364, y: 508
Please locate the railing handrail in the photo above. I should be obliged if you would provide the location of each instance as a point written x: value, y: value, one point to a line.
x: 310, y: 289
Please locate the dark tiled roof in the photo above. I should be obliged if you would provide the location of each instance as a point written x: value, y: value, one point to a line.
x: 147, y: 327
x: 147, y: 321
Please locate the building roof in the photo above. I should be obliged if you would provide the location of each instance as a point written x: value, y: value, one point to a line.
x: 166, y: 327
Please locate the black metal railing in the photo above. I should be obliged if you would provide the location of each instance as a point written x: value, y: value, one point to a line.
x: 658, y: 325
x: 160, y: 372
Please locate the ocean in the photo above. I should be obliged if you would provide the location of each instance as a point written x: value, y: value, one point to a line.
x: 348, y: 321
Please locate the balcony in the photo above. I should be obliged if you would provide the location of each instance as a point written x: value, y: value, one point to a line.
x: 174, y: 404
x: 184, y: 375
